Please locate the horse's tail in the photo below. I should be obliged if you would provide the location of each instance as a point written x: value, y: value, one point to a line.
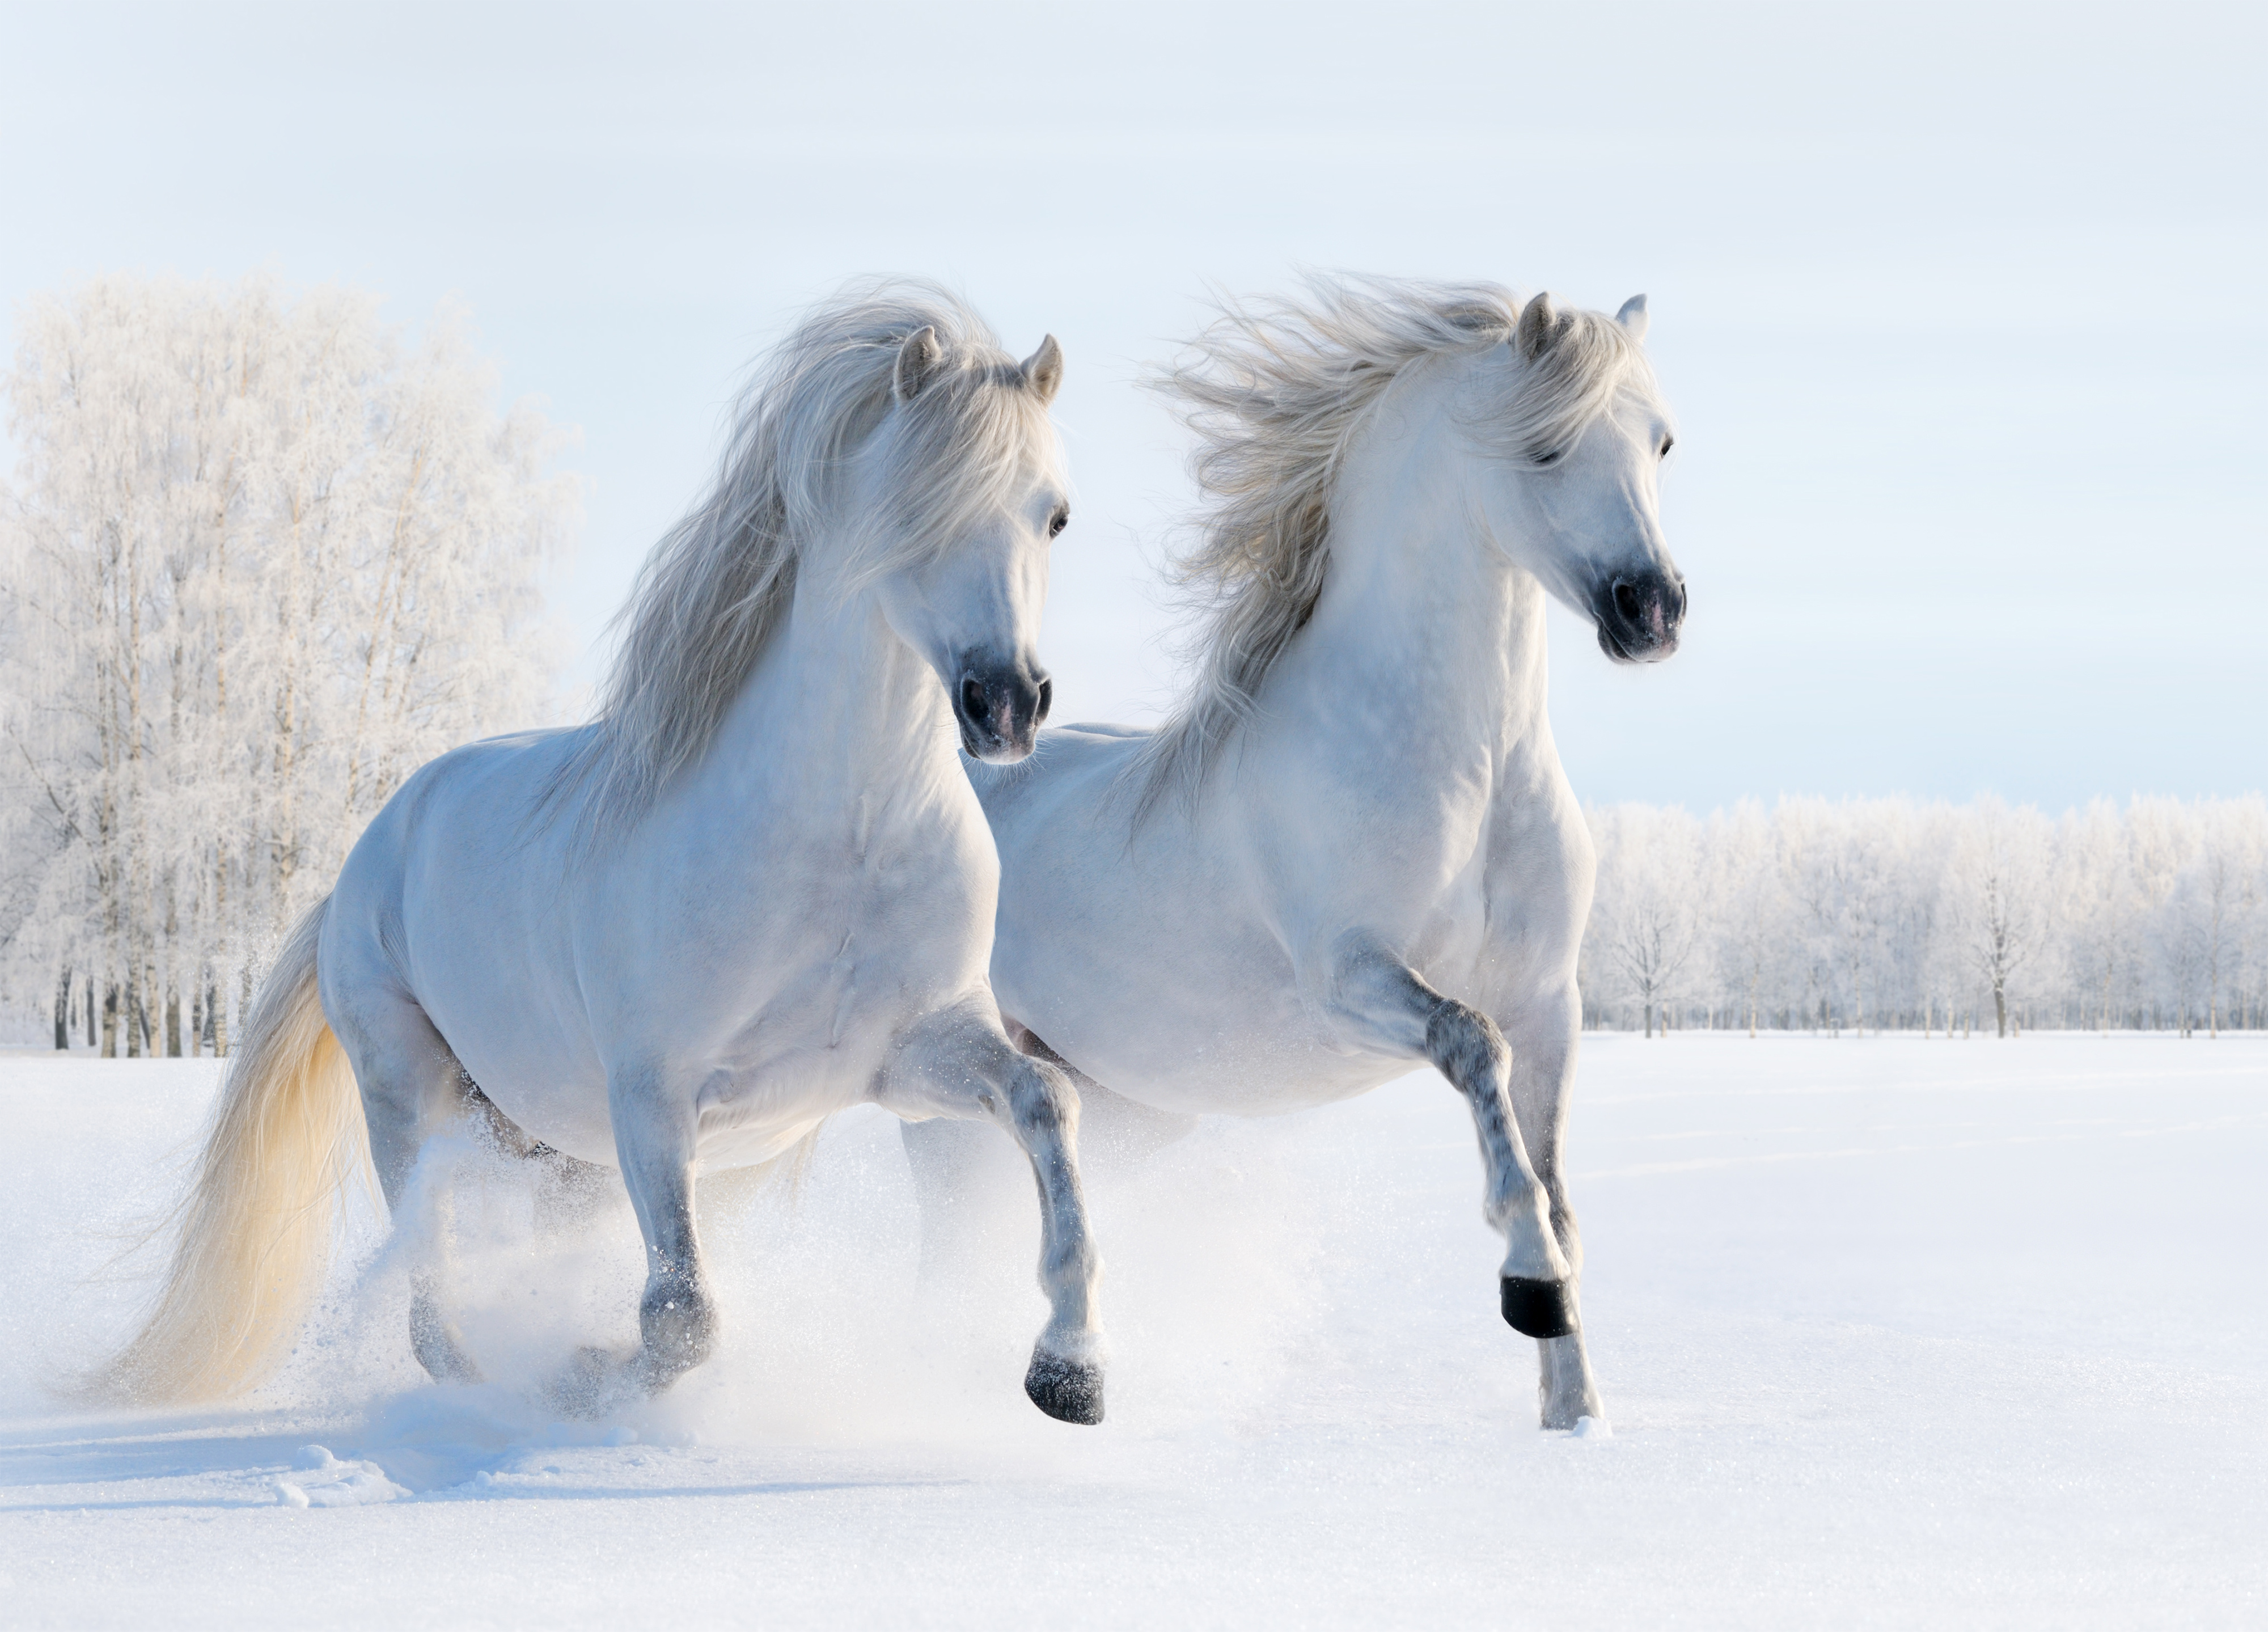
x: 255, y: 1226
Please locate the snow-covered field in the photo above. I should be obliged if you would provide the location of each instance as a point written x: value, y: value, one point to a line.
x: 1892, y: 1332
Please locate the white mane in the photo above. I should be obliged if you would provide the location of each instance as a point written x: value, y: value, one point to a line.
x: 714, y: 589
x: 1275, y: 393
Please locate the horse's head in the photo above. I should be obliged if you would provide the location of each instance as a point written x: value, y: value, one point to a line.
x: 1579, y: 433
x: 980, y: 471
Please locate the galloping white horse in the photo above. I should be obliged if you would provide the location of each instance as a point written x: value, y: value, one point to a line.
x: 1352, y: 847
x: 758, y: 891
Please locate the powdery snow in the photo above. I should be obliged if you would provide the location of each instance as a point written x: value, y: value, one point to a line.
x: 1891, y: 1332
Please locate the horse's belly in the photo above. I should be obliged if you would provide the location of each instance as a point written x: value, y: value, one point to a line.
x: 1259, y: 1076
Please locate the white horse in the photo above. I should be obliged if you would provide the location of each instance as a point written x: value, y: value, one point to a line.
x: 757, y: 892
x: 1353, y: 848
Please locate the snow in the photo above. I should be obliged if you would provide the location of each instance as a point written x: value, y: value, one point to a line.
x: 1890, y: 1331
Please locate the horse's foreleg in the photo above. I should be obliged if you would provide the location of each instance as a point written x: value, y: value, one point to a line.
x: 1542, y: 1036
x: 1382, y: 999
x: 655, y: 1134
x: 965, y: 1068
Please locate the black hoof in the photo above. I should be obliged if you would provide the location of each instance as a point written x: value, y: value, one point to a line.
x: 1536, y: 1308
x: 1066, y: 1390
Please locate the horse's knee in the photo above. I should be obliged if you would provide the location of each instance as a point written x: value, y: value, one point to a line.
x: 1044, y: 1105
x: 1466, y: 1047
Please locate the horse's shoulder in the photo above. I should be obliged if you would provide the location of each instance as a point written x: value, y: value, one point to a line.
x: 1065, y: 758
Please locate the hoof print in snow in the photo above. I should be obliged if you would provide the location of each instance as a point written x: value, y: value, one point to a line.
x: 1069, y: 1390
x: 1536, y: 1308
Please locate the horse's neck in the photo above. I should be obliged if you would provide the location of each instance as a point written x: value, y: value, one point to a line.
x: 840, y: 703
x: 1427, y: 645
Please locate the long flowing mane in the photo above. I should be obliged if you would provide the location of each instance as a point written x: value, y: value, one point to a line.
x: 1275, y: 392
x: 716, y: 587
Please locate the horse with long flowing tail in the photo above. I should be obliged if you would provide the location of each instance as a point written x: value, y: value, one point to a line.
x: 757, y: 890
x: 1351, y: 850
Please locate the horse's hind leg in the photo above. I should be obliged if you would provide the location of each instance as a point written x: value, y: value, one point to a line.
x: 412, y: 1087
x: 655, y: 1139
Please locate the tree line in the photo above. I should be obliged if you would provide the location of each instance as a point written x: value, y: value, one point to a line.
x: 1890, y: 914
x: 262, y: 557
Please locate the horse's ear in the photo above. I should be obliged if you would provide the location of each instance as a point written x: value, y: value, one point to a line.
x: 1632, y: 316
x: 917, y: 361
x: 1043, y: 370
x: 1538, y: 323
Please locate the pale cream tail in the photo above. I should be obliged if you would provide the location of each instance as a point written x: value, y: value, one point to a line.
x: 255, y: 1228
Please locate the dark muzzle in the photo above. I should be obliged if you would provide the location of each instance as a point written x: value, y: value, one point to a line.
x: 1000, y: 705
x: 1639, y: 614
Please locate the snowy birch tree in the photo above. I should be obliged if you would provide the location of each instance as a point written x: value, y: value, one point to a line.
x: 262, y: 558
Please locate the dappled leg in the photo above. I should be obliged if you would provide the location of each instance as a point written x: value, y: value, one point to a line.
x: 654, y: 1136
x: 411, y: 1088
x: 964, y: 1176
x: 1536, y: 1283
x: 1384, y: 996
x: 962, y: 1067
x: 1543, y: 1042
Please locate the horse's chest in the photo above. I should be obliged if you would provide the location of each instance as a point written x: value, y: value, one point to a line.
x: 864, y: 931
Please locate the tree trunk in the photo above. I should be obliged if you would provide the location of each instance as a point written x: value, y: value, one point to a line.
x: 2000, y: 1008
x: 110, y: 1019
x: 173, y: 1021
x: 63, y: 1011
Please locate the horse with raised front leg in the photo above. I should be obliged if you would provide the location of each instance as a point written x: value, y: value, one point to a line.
x: 1351, y: 848
x: 757, y: 892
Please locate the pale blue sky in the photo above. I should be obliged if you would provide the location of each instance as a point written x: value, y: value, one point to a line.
x: 1960, y: 307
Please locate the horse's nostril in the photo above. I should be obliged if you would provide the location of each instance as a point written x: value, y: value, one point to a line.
x: 1626, y: 599
x: 972, y: 701
x: 1047, y: 700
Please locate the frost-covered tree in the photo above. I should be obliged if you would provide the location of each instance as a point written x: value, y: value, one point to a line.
x: 1997, y: 900
x: 1651, y: 904
x: 261, y: 557
x: 1889, y: 914
x: 1750, y: 926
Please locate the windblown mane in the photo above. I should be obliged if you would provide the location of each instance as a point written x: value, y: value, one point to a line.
x: 1275, y: 393
x: 716, y: 587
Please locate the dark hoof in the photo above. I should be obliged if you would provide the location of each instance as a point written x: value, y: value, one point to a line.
x: 1066, y: 1390
x: 1536, y: 1308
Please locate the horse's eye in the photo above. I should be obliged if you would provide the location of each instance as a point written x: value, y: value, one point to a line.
x: 1667, y: 443
x: 1549, y: 457
x: 1058, y: 521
